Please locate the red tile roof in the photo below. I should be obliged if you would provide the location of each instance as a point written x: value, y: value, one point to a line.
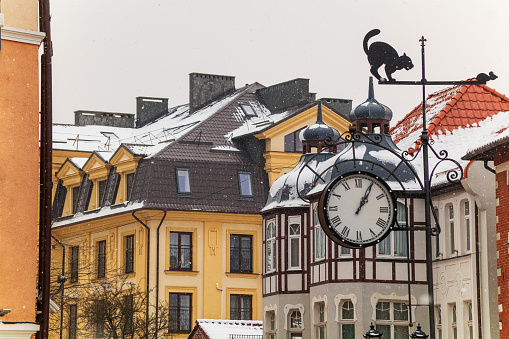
x: 450, y: 109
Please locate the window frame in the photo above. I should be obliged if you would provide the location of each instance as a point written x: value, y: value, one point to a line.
x: 74, y: 264
x: 129, y: 183
x: 73, y: 321
x: 466, y: 225
x: 270, y: 242
x: 249, y: 196
x: 294, y: 142
x: 320, y: 242
x: 391, y: 241
x: 101, y: 248
x: 239, y: 307
x: 240, y: 252
x: 180, y: 311
x: 294, y: 220
x: 101, y: 191
x: 392, y: 322
x: 129, y: 253
x: 179, y: 250
x: 244, y: 110
x: 321, y: 320
x: 454, y: 321
x: 187, y: 177
x: 346, y: 321
x: 75, y: 195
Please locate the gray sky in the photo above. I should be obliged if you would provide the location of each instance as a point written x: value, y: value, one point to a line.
x: 107, y: 52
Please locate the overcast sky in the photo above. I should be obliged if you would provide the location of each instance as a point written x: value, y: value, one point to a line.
x: 107, y: 52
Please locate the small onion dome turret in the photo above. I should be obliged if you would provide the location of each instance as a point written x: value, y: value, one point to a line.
x: 319, y: 135
x: 371, y: 116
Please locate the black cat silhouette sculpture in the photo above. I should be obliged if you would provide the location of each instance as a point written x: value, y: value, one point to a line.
x: 380, y: 53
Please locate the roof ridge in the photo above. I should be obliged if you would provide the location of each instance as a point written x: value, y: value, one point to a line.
x: 447, y: 108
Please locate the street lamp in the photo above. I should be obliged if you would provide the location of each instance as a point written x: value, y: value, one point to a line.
x: 419, y: 333
x: 372, y: 333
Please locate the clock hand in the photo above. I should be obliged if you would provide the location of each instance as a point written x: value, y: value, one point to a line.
x: 364, y: 199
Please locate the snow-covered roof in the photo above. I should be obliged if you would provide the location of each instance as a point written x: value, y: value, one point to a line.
x: 493, y: 132
x: 224, y: 329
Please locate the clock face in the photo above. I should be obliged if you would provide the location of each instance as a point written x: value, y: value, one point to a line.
x: 357, y: 210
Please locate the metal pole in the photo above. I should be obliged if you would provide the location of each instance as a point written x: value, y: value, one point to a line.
x: 427, y: 206
x: 45, y: 175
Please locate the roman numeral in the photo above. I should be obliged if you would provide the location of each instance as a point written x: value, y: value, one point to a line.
x: 380, y: 222
x: 359, y: 235
x: 384, y: 209
x: 333, y: 208
x: 346, y: 186
x: 378, y: 197
x: 358, y: 183
x: 336, y: 195
x: 372, y: 233
x: 345, y: 231
x: 336, y: 221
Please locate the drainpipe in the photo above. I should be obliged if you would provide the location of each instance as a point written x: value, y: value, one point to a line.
x: 477, y: 275
x: 62, y: 296
x: 157, y: 271
x: 45, y: 175
x: 148, y: 270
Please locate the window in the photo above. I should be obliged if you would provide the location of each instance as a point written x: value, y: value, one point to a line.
x: 437, y: 237
x: 100, y: 306
x: 272, y: 320
x: 246, y: 188
x: 392, y: 319
x: 319, y: 239
x: 241, y: 253
x: 101, y: 259
x: 247, y: 109
x: 128, y: 321
x: 181, y: 251
x: 293, y: 142
x: 180, y: 308
x: 396, y: 243
x: 73, y: 321
x: 129, y: 253
x: 75, y: 196
x: 101, y: 190
x: 74, y: 263
x: 439, y: 323
x: 270, y: 235
x: 241, y: 307
x: 321, y: 321
x: 450, y: 222
x: 347, y: 320
x: 466, y: 224
x: 454, y: 323
x: 294, y: 243
x: 295, y: 319
x: 345, y: 251
x: 470, y: 321
x: 183, y: 181
x: 129, y: 180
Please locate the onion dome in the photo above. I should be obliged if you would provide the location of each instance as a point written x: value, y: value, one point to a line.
x: 371, y: 114
x: 319, y: 134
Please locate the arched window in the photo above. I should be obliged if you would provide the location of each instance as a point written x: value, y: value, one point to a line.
x: 271, y: 246
x: 347, y: 320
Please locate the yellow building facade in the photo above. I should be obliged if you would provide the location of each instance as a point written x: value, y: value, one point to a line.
x: 196, y: 247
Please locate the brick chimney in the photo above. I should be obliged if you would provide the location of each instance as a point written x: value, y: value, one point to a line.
x: 205, y: 88
x: 149, y: 109
x: 286, y: 94
x: 83, y: 118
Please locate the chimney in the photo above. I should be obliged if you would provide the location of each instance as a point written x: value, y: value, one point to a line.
x: 286, y: 94
x: 149, y: 109
x: 205, y: 88
x: 83, y: 118
x: 341, y: 106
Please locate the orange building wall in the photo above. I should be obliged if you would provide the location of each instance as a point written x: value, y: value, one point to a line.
x: 19, y: 178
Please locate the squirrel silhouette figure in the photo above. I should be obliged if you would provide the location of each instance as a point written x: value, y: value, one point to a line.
x: 380, y: 53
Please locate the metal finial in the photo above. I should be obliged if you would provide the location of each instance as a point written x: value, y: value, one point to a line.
x: 371, y: 91
x: 319, y: 119
x: 422, y: 41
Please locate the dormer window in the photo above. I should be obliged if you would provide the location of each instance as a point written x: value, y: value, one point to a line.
x: 248, y: 110
x: 183, y: 181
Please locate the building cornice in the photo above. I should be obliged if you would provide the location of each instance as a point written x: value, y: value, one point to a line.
x: 22, y: 35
